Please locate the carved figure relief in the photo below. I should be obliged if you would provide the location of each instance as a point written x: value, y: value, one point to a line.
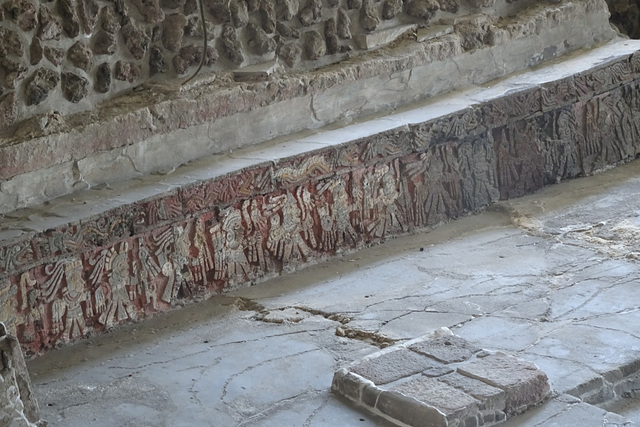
x: 291, y: 234
x: 380, y: 195
x: 335, y: 217
x: 230, y: 260
x: 65, y: 291
x: 114, y: 297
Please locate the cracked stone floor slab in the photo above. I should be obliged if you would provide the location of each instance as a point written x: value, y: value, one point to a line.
x: 550, y: 278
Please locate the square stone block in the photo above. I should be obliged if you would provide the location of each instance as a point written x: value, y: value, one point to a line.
x: 524, y: 384
x: 391, y: 366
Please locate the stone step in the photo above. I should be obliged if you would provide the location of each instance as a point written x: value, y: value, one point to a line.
x: 441, y: 380
x: 114, y: 253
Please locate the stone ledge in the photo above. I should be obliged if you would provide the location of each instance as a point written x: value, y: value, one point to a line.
x: 476, y: 388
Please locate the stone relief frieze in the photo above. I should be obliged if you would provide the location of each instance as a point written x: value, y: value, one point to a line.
x: 242, y: 227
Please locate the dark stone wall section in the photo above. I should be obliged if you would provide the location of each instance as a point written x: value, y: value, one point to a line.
x: 214, y: 235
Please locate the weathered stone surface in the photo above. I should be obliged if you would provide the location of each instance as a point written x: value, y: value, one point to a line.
x: 289, y: 9
x: 287, y: 31
x: 156, y: 61
x: 8, y: 109
x: 451, y: 6
x: 344, y: 24
x: 239, y: 13
x: 290, y: 53
x: 150, y: 9
x: 369, y: 16
x: 190, y: 7
x: 259, y: 41
x: 88, y: 14
x: 81, y: 56
x: 268, y: 15
x: 447, y: 399
x: 10, y: 42
x: 35, y: 51
x: 127, y: 71
x: 103, y: 78
x: 392, y: 366
x: 311, y: 14
x: 407, y: 410
x: 314, y: 45
x: 192, y: 55
x: 74, y: 87
x: 50, y: 28
x: 492, y: 397
x: 625, y: 15
x: 13, y: 71
x: 391, y: 8
x: 525, y: 385
x: 136, y: 40
x: 23, y: 12
x: 474, y: 33
x: 110, y: 20
x: 331, y: 37
x: 172, y: 4
x: 70, y: 22
x: 231, y: 45
x: 54, y: 55
x: 423, y: 9
x: 173, y: 31
x: 354, y: 4
x: 382, y: 37
x: 44, y: 80
x: 18, y: 406
x: 446, y: 349
x: 218, y: 9
x: 104, y: 43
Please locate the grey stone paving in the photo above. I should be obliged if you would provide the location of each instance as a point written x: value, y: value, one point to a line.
x: 550, y: 279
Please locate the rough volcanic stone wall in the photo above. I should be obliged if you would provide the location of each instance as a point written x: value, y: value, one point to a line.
x: 69, y: 55
x: 210, y: 236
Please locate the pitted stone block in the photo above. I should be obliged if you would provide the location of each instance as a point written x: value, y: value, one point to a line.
x: 523, y: 382
x: 448, y: 400
x: 487, y: 388
x: 448, y: 349
x: 391, y: 366
x: 491, y: 397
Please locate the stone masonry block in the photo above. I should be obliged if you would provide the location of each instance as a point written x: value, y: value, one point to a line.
x: 347, y: 384
x: 524, y: 383
x: 409, y: 411
x: 449, y: 400
x: 447, y: 349
x: 491, y: 398
x: 393, y: 365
